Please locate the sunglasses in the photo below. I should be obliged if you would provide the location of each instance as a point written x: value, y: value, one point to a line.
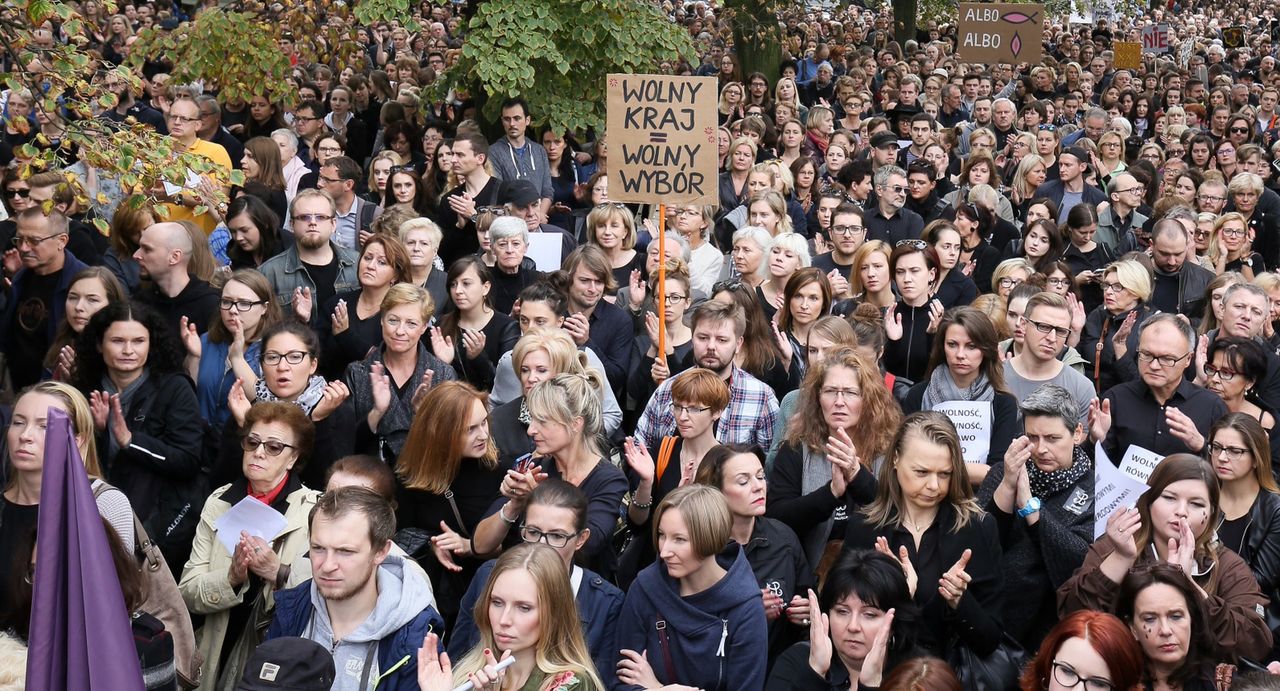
x: 913, y: 244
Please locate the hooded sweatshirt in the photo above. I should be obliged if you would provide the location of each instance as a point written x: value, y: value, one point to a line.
x: 402, y: 596
x: 715, y: 639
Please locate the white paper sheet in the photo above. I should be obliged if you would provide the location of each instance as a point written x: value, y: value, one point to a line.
x: 544, y: 250
x: 1112, y: 489
x: 973, y: 421
x: 1139, y: 462
x: 251, y: 516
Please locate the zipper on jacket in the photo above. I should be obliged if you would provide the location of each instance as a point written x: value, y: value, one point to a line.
x: 724, y: 635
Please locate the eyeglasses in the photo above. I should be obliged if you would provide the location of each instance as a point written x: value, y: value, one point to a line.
x: 1136, y: 189
x: 688, y: 212
x: 1231, y: 453
x: 303, y: 118
x: 846, y: 230
x: 239, y: 305
x: 312, y: 218
x: 833, y: 394
x: 688, y: 409
x: 1210, y: 198
x: 1068, y: 678
x: 20, y: 241
x: 182, y: 119
x: 1239, y: 130
x: 329, y: 149
x: 1056, y: 331
x: 273, y: 447
x: 1234, y: 232
x: 397, y: 322
x: 293, y: 357
x: 1164, y: 360
x: 675, y: 298
x: 896, y: 189
x: 325, y: 179
x: 1009, y: 282
x: 913, y: 244
x: 535, y: 536
x: 1220, y: 373
x: 1047, y: 128
x: 18, y: 192
x: 1112, y: 287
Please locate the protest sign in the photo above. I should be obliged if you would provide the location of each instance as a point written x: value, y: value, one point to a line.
x: 973, y: 420
x: 544, y: 250
x: 1112, y: 490
x: 1128, y: 55
x: 1139, y: 462
x: 999, y: 32
x: 1155, y: 38
x: 662, y: 139
x: 1184, y: 53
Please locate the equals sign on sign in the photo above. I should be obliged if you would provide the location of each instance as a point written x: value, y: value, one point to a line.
x: 657, y: 137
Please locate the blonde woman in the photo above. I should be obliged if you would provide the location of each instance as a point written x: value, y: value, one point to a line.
x: 1111, y: 156
x: 1231, y: 247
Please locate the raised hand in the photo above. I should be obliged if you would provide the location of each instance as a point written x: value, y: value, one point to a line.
x: 1099, y: 418
x: 236, y: 349
x: 660, y: 371
x: 636, y: 290
x: 955, y: 581
x: 190, y: 337
x: 421, y: 392
x: 634, y: 669
x: 1077, y: 312
x: 1202, y: 356
x: 638, y: 459
x: 904, y: 560
x: 238, y: 403
x: 1120, y: 340
x: 12, y: 262
x: 302, y: 301
x: 844, y: 458
x: 66, y: 366
x: 473, y: 343
x: 872, y: 672
x: 893, y: 323
x: 1015, y: 460
x: 489, y: 676
x: 1122, y: 526
x: 839, y: 284
x: 261, y: 559
x: 341, y: 318
x: 784, y: 344
x: 578, y: 327
x: 819, y: 641
x: 441, y: 344
x: 1184, y: 429
x: 1182, y: 550
x: 435, y: 672
x: 380, y: 382
x: 335, y: 392
x: 452, y: 545
x: 936, y: 311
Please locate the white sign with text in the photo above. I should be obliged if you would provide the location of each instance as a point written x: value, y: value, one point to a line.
x: 973, y: 421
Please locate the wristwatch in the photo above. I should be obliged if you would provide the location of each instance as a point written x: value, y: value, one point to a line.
x: 1033, y: 506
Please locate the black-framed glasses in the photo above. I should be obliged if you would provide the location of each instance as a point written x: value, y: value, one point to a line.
x: 674, y: 298
x: 1164, y: 360
x: 274, y: 447
x: 239, y: 305
x: 913, y: 244
x: 847, y: 230
x: 1239, y: 130
x: 1219, y: 372
x: 293, y: 357
x: 1067, y: 676
x: 678, y: 409
x: 554, y: 539
x: 23, y: 192
x: 1057, y: 331
x: 1232, y: 453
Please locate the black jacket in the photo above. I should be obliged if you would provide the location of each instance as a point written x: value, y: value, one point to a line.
x: 909, y: 356
x: 779, y: 563
x: 1261, y: 549
x: 956, y: 289
x: 162, y: 470
x: 1100, y: 329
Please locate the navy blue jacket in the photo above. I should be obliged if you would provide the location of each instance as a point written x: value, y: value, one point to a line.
x: 1054, y: 189
x: 716, y: 638
x: 599, y: 603
x: 70, y: 267
x: 397, y: 654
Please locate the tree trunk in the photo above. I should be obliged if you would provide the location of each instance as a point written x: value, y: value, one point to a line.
x: 756, y: 37
x: 904, y: 20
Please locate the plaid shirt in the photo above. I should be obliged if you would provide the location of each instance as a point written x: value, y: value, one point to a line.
x: 749, y: 419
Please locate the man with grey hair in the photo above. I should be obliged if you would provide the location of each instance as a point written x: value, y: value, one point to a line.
x: 1117, y: 221
x: 1245, y: 311
x: 1095, y: 125
x: 1161, y: 412
x: 1178, y: 285
x: 888, y: 220
x: 164, y: 257
x: 1043, y: 496
x: 294, y: 167
x: 211, y: 129
x: 1003, y: 113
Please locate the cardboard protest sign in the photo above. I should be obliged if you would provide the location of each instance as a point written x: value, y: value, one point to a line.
x: 1155, y: 38
x: 1000, y: 32
x: 1128, y: 55
x: 973, y: 421
x: 1112, y: 490
x: 662, y: 139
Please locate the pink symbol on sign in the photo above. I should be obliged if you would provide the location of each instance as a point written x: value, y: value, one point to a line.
x: 613, y: 81
x: 1019, y: 18
x: 710, y: 132
x: 1015, y: 45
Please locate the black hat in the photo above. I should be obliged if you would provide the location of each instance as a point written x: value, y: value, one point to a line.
x: 884, y: 139
x: 901, y: 114
x: 288, y: 664
x: 1079, y: 152
x: 518, y: 193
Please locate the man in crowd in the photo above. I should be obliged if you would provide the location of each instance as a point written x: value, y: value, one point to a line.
x: 186, y: 195
x: 211, y: 129
x: 1179, y: 284
x: 523, y: 201
x: 515, y: 157
x: 478, y: 190
x: 1117, y: 222
x: 308, y: 124
x: 753, y: 407
x: 41, y: 270
x: 594, y: 321
x: 362, y: 603
x: 339, y: 177
x: 889, y: 220
x: 846, y: 235
x: 183, y: 300
x: 1046, y: 325
x: 1070, y: 188
x: 314, y: 268
x: 922, y: 196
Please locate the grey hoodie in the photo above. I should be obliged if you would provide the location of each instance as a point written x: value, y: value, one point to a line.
x: 402, y: 595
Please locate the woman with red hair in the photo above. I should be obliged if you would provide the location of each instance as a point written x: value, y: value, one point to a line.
x: 1088, y: 646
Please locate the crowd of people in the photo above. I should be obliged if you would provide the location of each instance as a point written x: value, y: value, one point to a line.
x: 838, y: 431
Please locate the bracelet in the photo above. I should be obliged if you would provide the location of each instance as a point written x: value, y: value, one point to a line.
x: 637, y: 505
x: 502, y: 513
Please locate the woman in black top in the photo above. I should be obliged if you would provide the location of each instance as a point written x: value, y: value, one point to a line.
x: 975, y: 224
x: 953, y: 287
x: 924, y: 513
x: 264, y: 174
x: 349, y: 322
x: 698, y: 397
x: 914, y: 266
x: 1177, y: 655
x: 447, y: 476
x: 1086, y: 257
x: 255, y: 232
x: 1126, y: 287
x: 472, y: 335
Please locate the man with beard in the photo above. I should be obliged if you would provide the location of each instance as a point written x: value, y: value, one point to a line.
x: 41, y: 269
x: 753, y: 407
x: 364, y: 604
x: 1179, y: 284
x: 315, y: 268
x: 129, y: 107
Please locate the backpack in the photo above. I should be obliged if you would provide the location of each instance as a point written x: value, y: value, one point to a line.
x: 164, y: 601
x: 155, y: 652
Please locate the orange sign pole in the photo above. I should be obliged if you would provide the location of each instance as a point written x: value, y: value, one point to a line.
x: 660, y: 298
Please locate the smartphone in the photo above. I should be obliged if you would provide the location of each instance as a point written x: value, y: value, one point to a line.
x: 524, y: 463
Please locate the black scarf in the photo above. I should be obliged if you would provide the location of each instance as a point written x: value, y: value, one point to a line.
x: 1048, y: 484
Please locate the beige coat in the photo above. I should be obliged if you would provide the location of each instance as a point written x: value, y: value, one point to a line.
x: 207, y: 590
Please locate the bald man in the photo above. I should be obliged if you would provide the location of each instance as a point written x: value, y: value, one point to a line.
x: 164, y: 257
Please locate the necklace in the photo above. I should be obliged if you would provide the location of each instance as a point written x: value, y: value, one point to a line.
x: 914, y: 527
